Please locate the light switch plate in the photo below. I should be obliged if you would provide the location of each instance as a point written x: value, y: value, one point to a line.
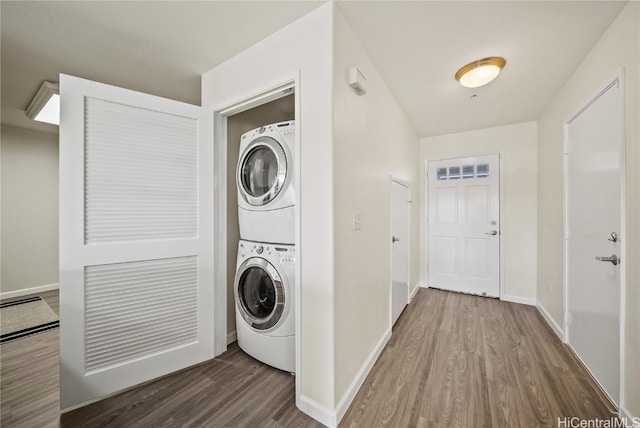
x: 356, y: 221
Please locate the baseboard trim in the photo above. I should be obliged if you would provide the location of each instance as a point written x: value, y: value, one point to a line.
x: 332, y: 417
x: 232, y: 337
x: 517, y: 299
x: 413, y: 293
x: 27, y: 291
x: 356, y: 384
x: 554, y: 326
x: 629, y: 420
x: 317, y: 411
x: 423, y: 284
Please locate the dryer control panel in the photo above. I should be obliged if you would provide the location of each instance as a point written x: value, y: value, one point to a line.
x: 287, y: 129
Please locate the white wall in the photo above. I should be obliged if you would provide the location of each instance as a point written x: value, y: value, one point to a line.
x: 303, y: 47
x: 372, y: 140
x: 618, y: 47
x: 517, y: 145
x: 349, y: 147
x: 29, y: 209
x: 275, y: 111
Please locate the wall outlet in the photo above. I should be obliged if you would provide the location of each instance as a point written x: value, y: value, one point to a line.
x: 357, y: 223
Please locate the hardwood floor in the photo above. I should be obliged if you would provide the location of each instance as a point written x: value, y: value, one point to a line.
x: 453, y: 360
x: 206, y: 395
x: 456, y: 360
x: 29, y: 376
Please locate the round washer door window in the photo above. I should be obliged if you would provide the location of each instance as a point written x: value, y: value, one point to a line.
x: 259, y: 294
x: 262, y: 171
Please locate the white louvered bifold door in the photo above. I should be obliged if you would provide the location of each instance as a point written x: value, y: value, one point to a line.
x: 136, y: 238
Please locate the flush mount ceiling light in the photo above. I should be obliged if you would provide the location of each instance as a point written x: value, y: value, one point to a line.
x: 45, y: 106
x: 481, y: 72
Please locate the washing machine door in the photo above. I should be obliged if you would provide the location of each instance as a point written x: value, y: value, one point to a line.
x: 259, y: 293
x: 262, y: 171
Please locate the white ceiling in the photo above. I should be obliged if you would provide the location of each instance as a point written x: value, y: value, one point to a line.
x: 160, y: 48
x: 163, y: 47
x: 418, y: 47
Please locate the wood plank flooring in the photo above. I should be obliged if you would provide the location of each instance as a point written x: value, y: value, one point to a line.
x: 456, y: 360
x: 453, y: 361
x: 29, y: 376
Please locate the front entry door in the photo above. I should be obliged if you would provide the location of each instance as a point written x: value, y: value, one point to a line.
x: 464, y: 225
x: 594, y: 142
x: 136, y: 238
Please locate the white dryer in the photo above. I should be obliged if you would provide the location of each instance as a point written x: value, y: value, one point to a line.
x: 264, y: 294
x: 264, y: 177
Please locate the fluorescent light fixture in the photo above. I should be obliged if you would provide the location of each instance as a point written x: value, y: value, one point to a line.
x: 481, y: 72
x: 45, y: 106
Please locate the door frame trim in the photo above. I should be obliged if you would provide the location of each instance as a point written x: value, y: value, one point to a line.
x: 425, y: 217
x: 242, y: 102
x: 618, y: 78
x: 393, y: 179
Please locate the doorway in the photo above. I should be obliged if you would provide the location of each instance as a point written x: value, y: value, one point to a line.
x: 400, y: 246
x: 279, y: 110
x: 463, y: 225
x: 594, y: 235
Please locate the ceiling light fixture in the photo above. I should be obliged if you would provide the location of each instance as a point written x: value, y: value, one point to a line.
x: 45, y: 106
x: 481, y: 72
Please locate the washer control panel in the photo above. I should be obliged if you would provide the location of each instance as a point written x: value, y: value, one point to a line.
x: 253, y: 248
x: 286, y: 254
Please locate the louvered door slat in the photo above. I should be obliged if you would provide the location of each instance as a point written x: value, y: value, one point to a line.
x: 121, y: 327
x: 141, y: 174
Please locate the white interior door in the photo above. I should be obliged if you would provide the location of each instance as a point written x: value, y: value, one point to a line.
x: 464, y: 225
x: 594, y: 142
x: 400, y: 246
x: 136, y: 238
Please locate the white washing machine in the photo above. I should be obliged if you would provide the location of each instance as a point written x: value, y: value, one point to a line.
x: 264, y: 295
x: 264, y: 178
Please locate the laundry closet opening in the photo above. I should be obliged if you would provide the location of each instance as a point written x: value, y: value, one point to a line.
x: 273, y: 112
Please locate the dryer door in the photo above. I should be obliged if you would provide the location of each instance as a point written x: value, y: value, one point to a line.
x: 262, y: 171
x: 259, y: 293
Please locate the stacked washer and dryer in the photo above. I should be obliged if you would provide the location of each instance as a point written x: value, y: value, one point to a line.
x: 264, y: 282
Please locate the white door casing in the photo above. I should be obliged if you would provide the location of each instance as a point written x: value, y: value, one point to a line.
x: 136, y: 238
x: 593, y: 211
x: 463, y: 225
x: 400, y: 247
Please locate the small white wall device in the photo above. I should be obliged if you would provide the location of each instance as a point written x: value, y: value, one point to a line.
x: 357, y: 81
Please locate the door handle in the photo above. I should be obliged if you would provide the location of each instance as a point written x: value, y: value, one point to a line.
x: 493, y: 232
x: 613, y: 259
x: 394, y: 239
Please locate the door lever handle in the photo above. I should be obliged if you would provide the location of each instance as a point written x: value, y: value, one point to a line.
x: 394, y: 239
x: 493, y: 232
x: 613, y: 259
